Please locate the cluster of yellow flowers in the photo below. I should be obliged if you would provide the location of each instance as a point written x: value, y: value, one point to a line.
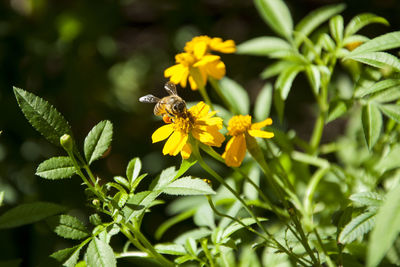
x: 198, y: 122
x: 197, y: 62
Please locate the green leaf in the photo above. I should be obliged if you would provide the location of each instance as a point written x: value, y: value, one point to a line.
x: 377, y: 59
x: 336, y: 110
x: 100, y: 254
x: 392, y: 111
x: 285, y: 80
x: 173, y: 221
x: 185, y: 165
x: 381, y: 43
x: 42, y: 116
x: 336, y: 27
x: 276, y: 14
x: 1, y: 198
x: 166, y: 177
x: 275, y: 68
x: 367, y: 199
x: 385, y: 96
x: 279, y: 105
x: 133, y: 169
x: 387, y: 228
x: 71, y: 227
x: 188, y: 186
x: 372, y: 123
x: 122, y: 181
x: 56, y: 168
x: 362, y: 20
x: 236, y: 95
x: 315, y: 18
x: 326, y: 42
x: 204, y: 216
x: 68, y: 256
x: 138, y: 203
x: 235, y: 226
x: 355, y: 39
x: 195, y: 234
x: 262, y: 46
x: 357, y: 227
x: 376, y: 87
x: 389, y: 160
x: 98, y: 141
x: 29, y: 213
x: 262, y: 107
x: 170, y: 249
x: 314, y: 77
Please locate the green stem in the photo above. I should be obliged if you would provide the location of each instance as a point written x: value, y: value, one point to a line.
x: 317, y: 133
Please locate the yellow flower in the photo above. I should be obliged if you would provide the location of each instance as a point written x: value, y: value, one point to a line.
x: 198, y: 122
x: 202, y: 45
x: 238, y: 127
x: 194, y: 70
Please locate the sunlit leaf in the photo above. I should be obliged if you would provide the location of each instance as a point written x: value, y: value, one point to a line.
x: 67, y: 257
x: 376, y: 87
x: 188, y: 186
x: 372, y: 123
x: 262, y: 107
x: 262, y: 46
x: 42, y: 116
x: 336, y: 27
x: 276, y: 14
x: 392, y: 111
x: 56, y: 168
x: 381, y: 43
x: 362, y: 20
x: 357, y: 227
x: 336, y: 110
x: 275, y: 69
x: 170, y: 249
x: 98, y: 141
x: 285, y: 80
x: 70, y: 227
x: 235, y: 226
x: 314, y: 77
x: 236, y: 95
x: 100, y: 254
x: 377, y: 59
x: 367, y: 199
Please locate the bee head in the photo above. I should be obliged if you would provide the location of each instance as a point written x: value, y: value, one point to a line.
x: 178, y: 107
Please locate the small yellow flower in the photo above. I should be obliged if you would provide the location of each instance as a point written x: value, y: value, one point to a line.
x: 238, y: 127
x: 202, y: 45
x: 198, y: 122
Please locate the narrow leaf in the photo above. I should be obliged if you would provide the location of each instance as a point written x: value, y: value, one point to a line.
x: 133, y: 169
x: 315, y: 18
x: 285, y: 80
x: 236, y: 95
x: 392, y: 111
x: 98, y: 141
x: 372, y: 123
x: 235, y: 226
x: 170, y: 249
x: 357, y: 227
x: 376, y: 87
x: 70, y: 227
x: 386, y: 96
x: 381, y: 43
x: 69, y: 256
x: 386, y: 229
x: 314, y: 77
x: 29, y: 213
x: 263, y: 103
x: 188, y: 186
x: 279, y: 104
x: 56, y: 168
x: 336, y: 27
x: 336, y: 110
x: 389, y: 160
x: 367, y: 199
x: 42, y: 116
x: 362, y: 20
x: 275, y: 69
x: 100, y: 254
x: 378, y: 59
x: 276, y: 14
x: 262, y: 46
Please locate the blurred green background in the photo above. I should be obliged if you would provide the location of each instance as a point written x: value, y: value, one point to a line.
x: 92, y: 60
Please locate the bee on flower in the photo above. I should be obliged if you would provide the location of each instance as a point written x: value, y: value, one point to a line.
x: 197, y: 63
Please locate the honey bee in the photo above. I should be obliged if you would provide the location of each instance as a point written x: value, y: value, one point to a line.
x: 170, y: 106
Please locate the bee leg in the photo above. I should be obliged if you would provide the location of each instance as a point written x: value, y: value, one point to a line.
x: 167, y: 119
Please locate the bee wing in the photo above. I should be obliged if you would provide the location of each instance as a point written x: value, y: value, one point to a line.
x: 170, y: 88
x: 149, y: 99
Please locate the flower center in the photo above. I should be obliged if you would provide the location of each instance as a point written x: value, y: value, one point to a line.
x: 185, y: 59
x: 239, y: 124
x: 183, y: 123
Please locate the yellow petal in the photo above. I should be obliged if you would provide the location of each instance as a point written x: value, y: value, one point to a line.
x: 259, y: 125
x: 193, y: 84
x: 186, y: 151
x: 216, y: 69
x: 259, y: 133
x: 178, y: 74
x: 200, y: 49
x: 235, y: 151
x: 175, y: 143
x: 206, y: 59
x: 208, y: 135
x: 224, y: 47
x: 162, y: 133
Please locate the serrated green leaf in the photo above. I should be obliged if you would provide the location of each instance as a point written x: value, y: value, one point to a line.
x: 336, y: 110
x: 29, y: 213
x: 367, y: 199
x: 204, y: 216
x: 166, y: 177
x: 235, y: 226
x: 133, y: 169
x: 68, y: 257
x: 42, y: 116
x: 170, y: 249
x: 275, y: 68
x: 236, y: 95
x: 314, y: 77
x: 357, y: 227
x: 262, y: 107
x: 336, y: 27
x: 392, y: 111
x: 315, y: 18
x: 372, y: 123
x: 276, y: 14
x: 362, y: 20
x: 188, y: 186
x: 285, y: 80
x: 136, y: 205
x: 70, y: 227
x: 377, y: 59
x: 386, y: 96
x: 381, y: 43
x: 122, y: 181
x: 100, y: 254
x: 262, y: 46
x: 387, y: 228
x: 98, y: 141
x: 326, y: 42
x: 376, y: 87
x: 56, y: 168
